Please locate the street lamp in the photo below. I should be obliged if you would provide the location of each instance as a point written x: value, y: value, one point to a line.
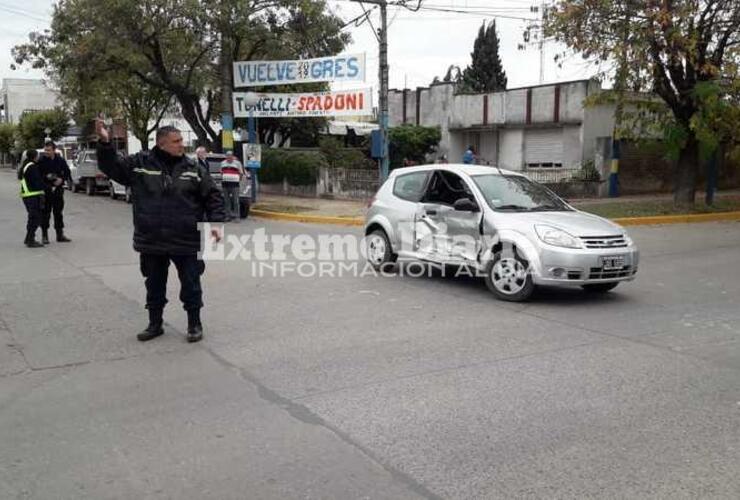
x: 250, y: 100
x: 47, y: 131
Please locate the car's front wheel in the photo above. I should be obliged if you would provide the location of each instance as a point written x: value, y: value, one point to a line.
x: 508, y: 277
x: 90, y: 187
x: 600, y: 287
x: 112, y: 192
x: 379, y: 251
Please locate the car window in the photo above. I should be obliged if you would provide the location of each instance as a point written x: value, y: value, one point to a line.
x: 410, y: 187
x: 446, y: 188
x: 514, y: 192
x: 91, y: 156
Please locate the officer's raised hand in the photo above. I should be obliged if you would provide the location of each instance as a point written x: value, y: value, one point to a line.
x: 101, y: 131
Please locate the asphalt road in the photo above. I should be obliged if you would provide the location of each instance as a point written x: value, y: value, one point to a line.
x: 364, y: 387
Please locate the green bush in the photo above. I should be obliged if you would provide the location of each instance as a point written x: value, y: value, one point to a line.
x: 588, y: 172
x: 300, y: 168
x: 412, y: 142
x: 337, y: 156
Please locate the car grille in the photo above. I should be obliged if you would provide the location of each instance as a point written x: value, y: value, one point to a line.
x: 604, y: 241
x: 597, y: 273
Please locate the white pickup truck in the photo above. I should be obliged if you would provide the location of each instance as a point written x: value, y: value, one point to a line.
x: 87, y: 176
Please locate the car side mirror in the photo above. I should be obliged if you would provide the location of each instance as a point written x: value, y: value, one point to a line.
x: 465, y: 205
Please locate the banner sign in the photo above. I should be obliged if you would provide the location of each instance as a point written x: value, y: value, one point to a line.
x: 334, y: 103
x: 341, y: 68
x: 252, y: 154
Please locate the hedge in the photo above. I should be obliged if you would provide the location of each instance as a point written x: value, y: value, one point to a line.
x: 300, y: 168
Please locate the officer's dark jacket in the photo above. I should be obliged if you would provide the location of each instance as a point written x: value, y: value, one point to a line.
x: 170, y: 196
x: 33, y: 177
x: 53, y: 168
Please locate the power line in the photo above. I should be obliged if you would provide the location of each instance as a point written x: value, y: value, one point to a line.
x: 12, y: 10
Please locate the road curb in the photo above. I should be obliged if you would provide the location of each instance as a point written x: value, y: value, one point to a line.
x: 624, y: 221
x: 311, y: 219
x: 678, y: 219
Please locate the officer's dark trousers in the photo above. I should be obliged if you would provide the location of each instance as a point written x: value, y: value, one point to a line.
x: 189, y: 269
x: 54, y: 203
x: 34, y: 206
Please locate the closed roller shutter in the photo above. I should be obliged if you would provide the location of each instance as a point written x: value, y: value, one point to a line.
x: 543, y: 148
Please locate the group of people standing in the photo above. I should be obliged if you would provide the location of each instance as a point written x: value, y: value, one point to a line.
x: 42, y: 180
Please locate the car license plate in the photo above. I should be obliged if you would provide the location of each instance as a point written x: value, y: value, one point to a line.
x: 612, y: 262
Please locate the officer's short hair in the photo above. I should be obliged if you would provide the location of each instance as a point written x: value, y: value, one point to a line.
x: 50, y: 144
x: 163, y: 132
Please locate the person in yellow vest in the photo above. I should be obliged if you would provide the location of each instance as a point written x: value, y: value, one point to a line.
x: 32, y: 194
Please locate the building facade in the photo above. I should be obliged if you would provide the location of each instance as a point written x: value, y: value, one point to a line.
x: 19, y: 95
x: 541, y: 128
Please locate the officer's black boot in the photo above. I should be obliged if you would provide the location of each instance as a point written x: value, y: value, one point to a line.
x: 195, y: 329
x: 31, y: 242
x: 60, y: 236
x: 45, y: 236
x: 154, y: 329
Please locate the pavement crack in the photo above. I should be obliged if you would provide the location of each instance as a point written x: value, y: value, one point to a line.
x: 304, y: 414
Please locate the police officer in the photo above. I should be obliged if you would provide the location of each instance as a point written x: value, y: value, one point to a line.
x: 32, y: 194
x: 171, y: 194
x: 55, y: 171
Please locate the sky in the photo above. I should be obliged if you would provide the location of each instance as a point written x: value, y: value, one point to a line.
x: 422, y: 44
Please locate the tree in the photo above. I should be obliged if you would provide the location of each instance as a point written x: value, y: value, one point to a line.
x: 685, y: 51
x: 485, y: 73
x: 183, y: 47
x: 454, y: 74
x: 412, y: 142
x: 7, y: 139
x: 32, y: 127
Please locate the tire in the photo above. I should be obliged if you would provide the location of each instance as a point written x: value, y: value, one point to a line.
x: 90, y: 187
x: 111, y: 192
x: 127, y: 196
x: 244, y: 207
x: 379, y: 251
x: 600, y: 287
x: 508, y: 278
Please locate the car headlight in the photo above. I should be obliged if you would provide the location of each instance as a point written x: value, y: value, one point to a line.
x: 628, y: 240
x: 556, y: 237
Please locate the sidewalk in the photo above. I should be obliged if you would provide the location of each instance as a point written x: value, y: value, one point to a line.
x: 320, y: 207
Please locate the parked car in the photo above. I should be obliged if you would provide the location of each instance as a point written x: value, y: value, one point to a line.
x: 116, y: 190
x: 514, y: 231
x: 89, y: 177
x: 245, y: 186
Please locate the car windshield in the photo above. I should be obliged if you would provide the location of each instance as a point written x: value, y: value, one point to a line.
x: 517, y: 193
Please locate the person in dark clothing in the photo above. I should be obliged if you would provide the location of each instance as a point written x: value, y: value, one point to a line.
x: 55, y: 171
x: 32, y: 194
x: 171, y: 195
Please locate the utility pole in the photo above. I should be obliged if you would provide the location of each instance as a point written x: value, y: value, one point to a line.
x: 384, y: 160
x: 542, y: 42
x: 382, y: 36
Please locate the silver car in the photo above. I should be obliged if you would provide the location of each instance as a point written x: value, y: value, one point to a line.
x: 514, y: 232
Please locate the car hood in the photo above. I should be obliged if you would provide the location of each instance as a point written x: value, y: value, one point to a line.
x: 575, y: 223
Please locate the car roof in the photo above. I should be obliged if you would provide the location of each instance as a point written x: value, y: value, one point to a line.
x: 458, y: 168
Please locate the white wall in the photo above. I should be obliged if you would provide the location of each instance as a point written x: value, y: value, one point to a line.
x: 26, y: 95
x: 512, y: 147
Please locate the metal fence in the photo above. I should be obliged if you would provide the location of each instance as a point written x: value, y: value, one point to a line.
x: 551, y: 175
x: 351, y: 183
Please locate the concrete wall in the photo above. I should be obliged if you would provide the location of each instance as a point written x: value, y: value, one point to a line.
x: 512, y: 147
x: 516, y: 107
x: 543, y: 104
x: 21, y: 95
x: 572, y: 150
x: 461, y: 120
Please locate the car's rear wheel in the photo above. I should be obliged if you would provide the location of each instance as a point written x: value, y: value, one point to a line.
x: 379, y: 251
x: 508, y: 277
x: 600, y: 287
x: 127, y: 196
x: 112, y: 192
x: 90, y: 187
